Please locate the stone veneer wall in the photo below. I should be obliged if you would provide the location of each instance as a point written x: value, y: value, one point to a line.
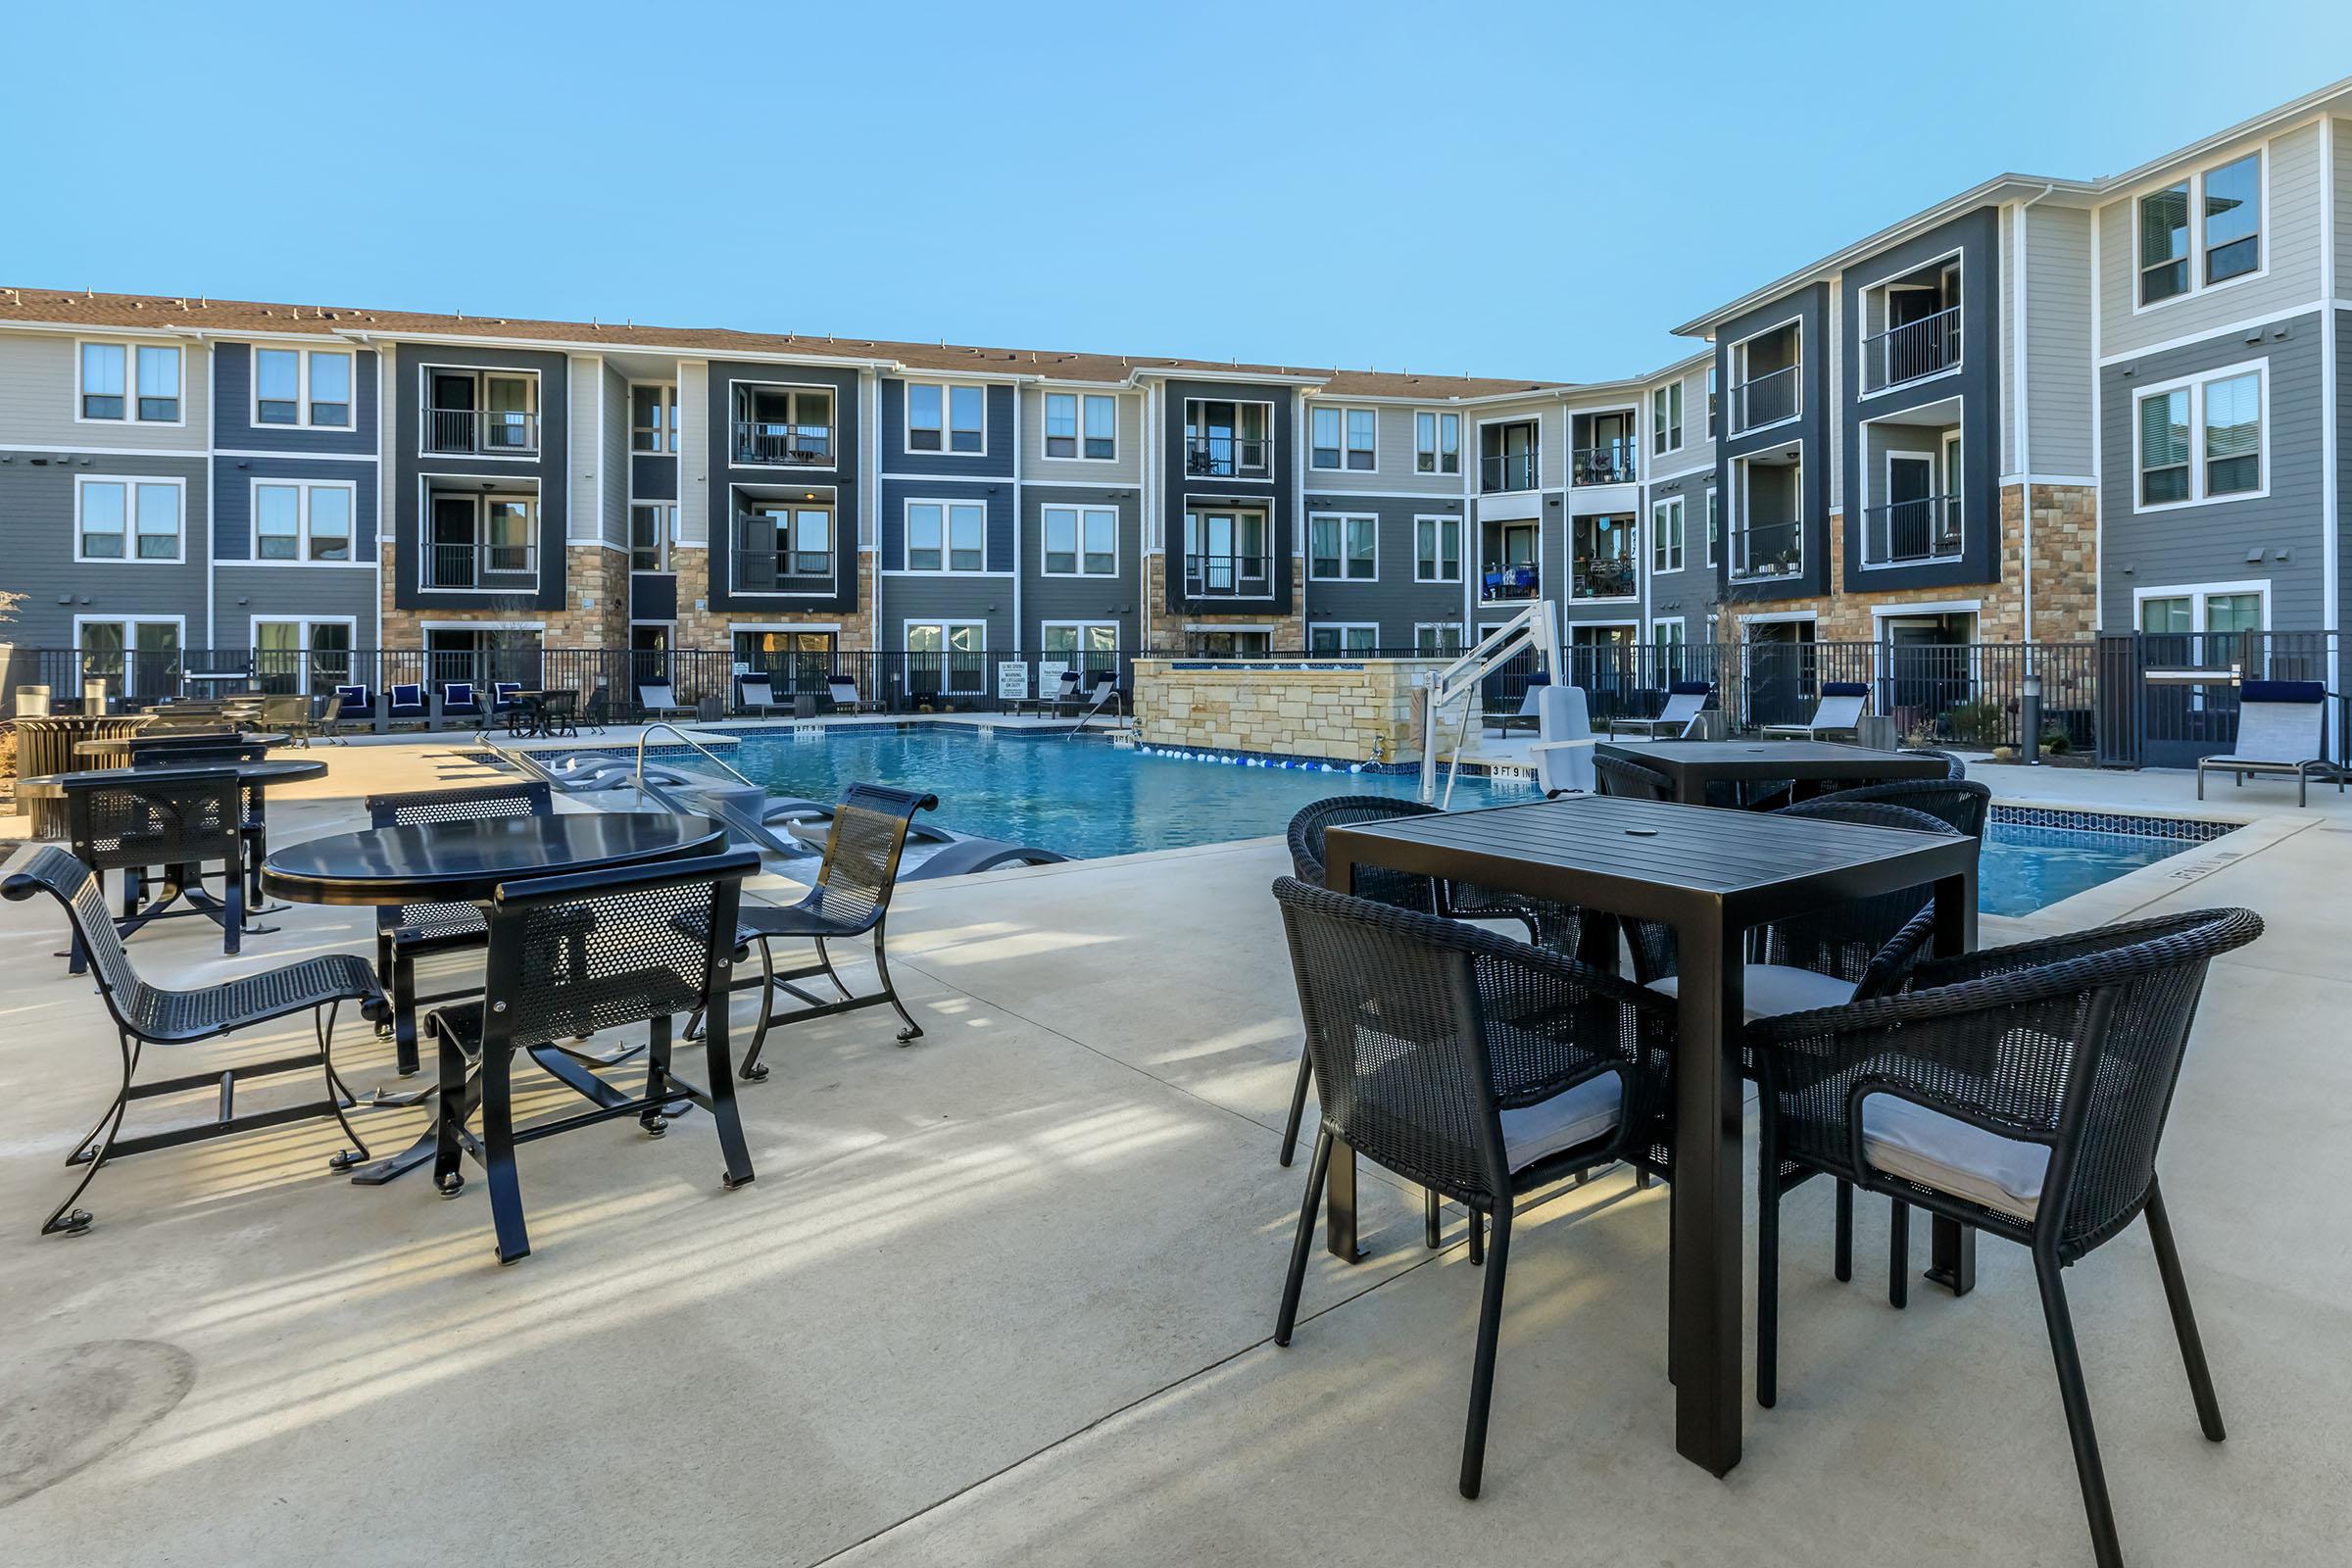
x: 1166, y: 634
x: 595, y: 612
x: 713, y: 628
x: 1352, y: 711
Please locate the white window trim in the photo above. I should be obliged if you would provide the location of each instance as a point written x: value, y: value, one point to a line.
x: 1862, y: 346
x: 131, y: 347
x: 1743, y: 467
x: 1711, y: 524
x: 947, y: 420
x: 1678, y: 423
x: 1637, y: 416
x: 2196, y: 182
x: 425, y: 405
x: 1043, y: 434
x: 675, y: 444
x: 2196, y: 384
x: 1681, y: 622
x: 1080, y: 510
x: 1437, y: 468
x: 1342, y: 627
x: 1732, y: 357
x: 1116, y: 630
x: 302, y: 673
x: 1542, y: 441
x: 1682, y: 534
x: 1568, y: 562
x: 946, y: 538
x: 302, y: 388
x: 947, y: 624
x: 1343, y: 410
x: 424, y: 540
x: 668, y: 536
x: 130, y: 556
x: 1460, y: 632
x: 1461, y: 544
x: 1184, y: 444
x: 2196, y: 593
x: 1342, y: 519
x: 726, y: 458
x: 1954, y: 480
x: 129, y: 620
x: 302, y: 524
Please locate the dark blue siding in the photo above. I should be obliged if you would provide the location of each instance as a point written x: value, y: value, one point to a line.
x: 652, y: 479
x: 996, y: 463
x: 232, y: 499
x: 232, y: 407
x: 996, y: 497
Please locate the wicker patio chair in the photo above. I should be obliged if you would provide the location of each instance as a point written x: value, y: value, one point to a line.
x: 149, y: 1015
x: 1630, y: 780
x: 1474, y: 1066
x: 574, y: 954
x: 2021, y: 1090
x: 407, y: 932
x: 1961, y: 805
x: 180, y: 821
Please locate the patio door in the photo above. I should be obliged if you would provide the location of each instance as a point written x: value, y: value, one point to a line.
x: 137, y: 659
x: 1927, y: 660
x: 303, y: 657
x: 1910, y: 511
x: 1780, y: 671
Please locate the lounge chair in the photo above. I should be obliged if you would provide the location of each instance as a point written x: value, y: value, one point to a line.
x: 1684, y: 700
x: 965, y: 856
x: 731, y: 806
x: 2281, y: 728
x: 757, y: 693
x: 1066, y: 693
x: 657, y: 700
x: 1106, y: 690
x: 842, y: 692
x: 597, y: 712
x: 1839, y: 713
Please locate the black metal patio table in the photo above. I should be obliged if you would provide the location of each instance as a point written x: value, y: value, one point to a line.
x: 1712, y: 875
x: 464, y: 863
x: 1694, y: 765
x: 125, y: 746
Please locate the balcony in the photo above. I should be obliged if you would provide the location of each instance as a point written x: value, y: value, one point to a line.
x: 1761, y: 552
x: 1606, y: 578
x: 478, y: 566
x: 1228, y: 457
x: 1609, y: 463
x: 1905, y: 533
x: 1509, y: 471
x: 493, y: 432
x: 1766, y: 399
x: 781, y: 571
x: 1523, y: 581
x: 1912, y: 351
x: 764, y: 443
x: 1229, y: 576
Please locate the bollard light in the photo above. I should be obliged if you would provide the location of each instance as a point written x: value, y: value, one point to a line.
x: 2029, y: 718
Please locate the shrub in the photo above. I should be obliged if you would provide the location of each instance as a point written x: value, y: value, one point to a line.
x: 1978, y: 723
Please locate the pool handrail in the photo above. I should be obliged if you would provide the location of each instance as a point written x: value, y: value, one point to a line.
x: 708, y: 755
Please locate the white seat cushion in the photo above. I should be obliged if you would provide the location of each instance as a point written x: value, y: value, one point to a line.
x: 1926, y: 1146
x: 1588, y: 1111
x: 1772, y: 988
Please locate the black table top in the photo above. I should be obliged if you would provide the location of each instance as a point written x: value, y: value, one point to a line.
x: 256, y: 776
x: 165, y: 740
x: 465, y: 861
x: 1775, y: 759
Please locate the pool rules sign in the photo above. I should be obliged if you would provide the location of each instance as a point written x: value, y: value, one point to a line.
x: 1012, y: 680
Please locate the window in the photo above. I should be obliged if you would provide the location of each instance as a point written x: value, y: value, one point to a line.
x: 2179, y: 257
x: 947, y: 657
x: 1354, y: 639
x: 297, y: 522
x: 1323, y: 447
x: 293, y: 657
x: 1437, y: 550
x: 1227, y: 440
x: 1090, y: 645
x: 2215, y: 613
x: 1344, y: 438
x: 787, y: 425
x: 138, y: 656
x: 1438, y: 639
x: 1073, y: 417
x: 102, y: 381
x: 104, y: 394
x: 1600, y: 550
x: 1341, y: 548
x: 2202, y: 440
x: 1437, y: 443
x: 1712, y: 527
x: 1710, y: 403
x: 1225, y: 553
x: 653, y: 527
x: 312, y: 387
x: 1363, y: 440
x: 473, y: 535
x: 654, y: 418
x: 128, y: 520
x: 1666, y: 418
x: 945, y: 419
x: 1666, y: 535
x: 510, y: 532
x: 1081, y: 541
x: 1668, y: 633
x: 784, y: 547
x: 945, y: 535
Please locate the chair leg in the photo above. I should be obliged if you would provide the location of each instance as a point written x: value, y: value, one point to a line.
x: 232, y: 909
x: 1477, y: 1238
x: 1768, y: 1271
x: 449, y: 1171
x: 337, y: 1095
x: 913, y: 1031
x: 1845, y: 1264
x: 2185, y: 1321
x: 754, y: 1069
x: 824, y: 962
x: 723, y: 1109
x: 404, y: 1013
x: 1286, y: 1318
x: 1482, y: 1372
x: 1290, y: 1130
x: 498, y: 1155
x: 1898, y: 1256
x: 1430, y: 1217
x: 657, y: 1079
x: 65, y: 1219
x: 2088, y: 1468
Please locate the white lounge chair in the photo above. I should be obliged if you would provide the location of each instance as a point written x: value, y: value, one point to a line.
x: 1839, y: 713
x: 843, y: 693
x: 1684, y: 701
x: 2281, y: 728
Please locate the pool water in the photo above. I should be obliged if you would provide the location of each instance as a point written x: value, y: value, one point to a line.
x: 1087, y: 798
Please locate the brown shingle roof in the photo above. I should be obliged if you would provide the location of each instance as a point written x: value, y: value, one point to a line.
x: 86, y: 309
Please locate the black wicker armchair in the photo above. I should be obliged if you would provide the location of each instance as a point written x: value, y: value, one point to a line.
x: 1961, y: 805
x: 1474, y: 1066
x: 149, y: 1015
x: 2021, y: 1090
x: 1621, y: 776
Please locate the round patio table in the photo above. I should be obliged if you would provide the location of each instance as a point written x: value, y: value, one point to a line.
x: 174, y: 739
x: 465, y: 862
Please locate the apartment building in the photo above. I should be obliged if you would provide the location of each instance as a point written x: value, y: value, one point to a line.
x: 2042, y: 408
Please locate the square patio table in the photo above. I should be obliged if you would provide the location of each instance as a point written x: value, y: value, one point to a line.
x: 1694, y: 765
x: 1712, y: 875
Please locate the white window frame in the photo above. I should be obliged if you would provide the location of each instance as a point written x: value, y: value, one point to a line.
x: 1635, y: 555
x: 1341, y: 628
x: 2197, y: 385
x: 1666, y: 412
x: 1437, y: 434
x: 130, y: 556
x: 2197, y: 230
x: 1658, y: 535
x: 1460, y: 632
x: 302, y: 388
x: 1342, y: 519
x: 666, y: 537
x: 252, y: 639
x: 131, y: 382
x: 2197, y: 594
x: 1461, y: 540
x: 1080, y: 512
x: 669, y: 432
x: 833, y: 425
x: 1682, y: 631
x: 303, y: 488
x: 1117, y: 632
x: 425, y: 411
x: 947, y: 566
x: 130, y: 621
x: 946, y: 447
x: 453, y: 486
x: 1082, y: 400
x: 947, y: 624
x: 1714, y: 526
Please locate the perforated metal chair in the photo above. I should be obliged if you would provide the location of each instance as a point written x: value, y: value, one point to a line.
x: 1473, y: 1065
x: 850, y: 898
x: 569, y: 956
x: 180, y: 821
x: 407, y: 932
x: 2023, y: 1090
x: 151, y: 1015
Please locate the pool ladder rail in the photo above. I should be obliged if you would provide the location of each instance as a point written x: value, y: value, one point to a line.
x: 705, y: 752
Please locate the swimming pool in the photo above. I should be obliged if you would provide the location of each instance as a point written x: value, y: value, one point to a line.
x: 1087, y: 798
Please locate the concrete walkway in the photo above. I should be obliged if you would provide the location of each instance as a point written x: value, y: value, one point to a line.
x: 1003, y: 1296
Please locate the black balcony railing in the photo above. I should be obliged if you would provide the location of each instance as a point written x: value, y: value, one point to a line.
x: 1229, y: 576
x: 1902, y: 532
x: 474, y: 565
x: 1508, y: 470
x: 1609, y: 577
x: 1610, y: 462
x: 499, y: 432
x: 1911, y: 351
x: 769, y: 444
x: 782, y: 571
x: 1228, y: 457
x: 1765, y: 549
x: 1765, y: 398
x: 1524, y: 581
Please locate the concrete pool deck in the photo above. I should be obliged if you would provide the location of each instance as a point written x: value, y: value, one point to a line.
x: 1003, y: 1296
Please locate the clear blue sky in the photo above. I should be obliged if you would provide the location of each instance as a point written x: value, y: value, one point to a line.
x: 1502, y: 188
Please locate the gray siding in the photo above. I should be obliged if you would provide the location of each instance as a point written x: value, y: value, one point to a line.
x: 613, y: 462
x: 1043, y: 598
x: 1127, y: 468
x: 996, y: 497
x: 1395, y: 602
x: 37, y: 397
x: 986, y: 599
x: 1809, y: 305
x: 2058, y: 318
x: 292, y: 593
x: 36, y: 519
x: 1393, y: 449
x: 997, y: 419
x: 2183, y: 546
x: 1691, y: 591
